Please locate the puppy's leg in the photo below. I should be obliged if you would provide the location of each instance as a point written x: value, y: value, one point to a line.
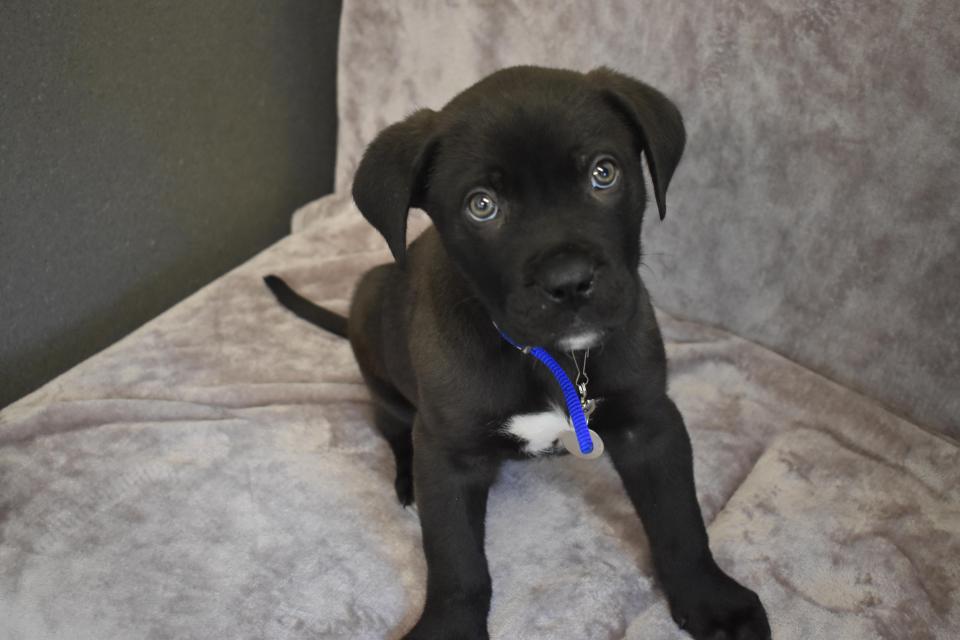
x: 650, y: 449
x: 398, y: 433
x: 451, y: 491
x: 393, y: 416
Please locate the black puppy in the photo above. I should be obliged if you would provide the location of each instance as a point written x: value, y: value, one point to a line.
x: 533, y: 180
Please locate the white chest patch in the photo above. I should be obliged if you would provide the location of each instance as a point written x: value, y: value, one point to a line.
x: 538, y: 431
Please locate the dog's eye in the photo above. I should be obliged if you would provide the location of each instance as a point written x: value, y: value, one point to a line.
x: 604, y: 174
x: 481, y: 206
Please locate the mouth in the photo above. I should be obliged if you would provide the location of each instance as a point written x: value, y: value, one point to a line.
x: 532, y: 322
x: 573, y: 339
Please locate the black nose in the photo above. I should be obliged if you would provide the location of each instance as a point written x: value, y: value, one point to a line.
x: 566, y: 277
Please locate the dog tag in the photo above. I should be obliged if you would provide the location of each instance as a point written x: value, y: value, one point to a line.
x: 589, y: 406
x: 568, y: 437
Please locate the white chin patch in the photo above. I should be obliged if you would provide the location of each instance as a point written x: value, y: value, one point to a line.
x: 579, y: 341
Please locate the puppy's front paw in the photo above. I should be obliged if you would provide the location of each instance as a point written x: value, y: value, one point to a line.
x: 454, y: 623
x: 717, y: 607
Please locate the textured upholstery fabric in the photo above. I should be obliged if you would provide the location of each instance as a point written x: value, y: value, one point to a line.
x: 216, y: 475
x: 817, y: 209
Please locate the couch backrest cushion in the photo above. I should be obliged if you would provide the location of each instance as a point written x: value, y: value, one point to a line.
x: 816, y: 208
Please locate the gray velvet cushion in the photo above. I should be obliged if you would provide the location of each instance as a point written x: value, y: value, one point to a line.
x: 216, y: 475
x: 817, y: 209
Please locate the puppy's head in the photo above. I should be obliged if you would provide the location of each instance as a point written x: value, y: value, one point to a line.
x: 534, y: 180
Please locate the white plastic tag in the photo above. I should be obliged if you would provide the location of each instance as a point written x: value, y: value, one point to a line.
x: 568, y: 437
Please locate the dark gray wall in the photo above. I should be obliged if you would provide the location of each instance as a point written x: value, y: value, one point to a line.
x: 146, y: 148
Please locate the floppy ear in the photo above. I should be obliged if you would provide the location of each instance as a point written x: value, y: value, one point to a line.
x: 392, y: 175
x: 657, y: 121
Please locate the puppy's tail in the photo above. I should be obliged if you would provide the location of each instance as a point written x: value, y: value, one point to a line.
x: 300, y: 306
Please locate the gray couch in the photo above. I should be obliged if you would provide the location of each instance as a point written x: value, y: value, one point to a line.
x: 216, y: 474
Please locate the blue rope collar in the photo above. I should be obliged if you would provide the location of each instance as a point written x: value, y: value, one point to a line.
x: 570, y: 395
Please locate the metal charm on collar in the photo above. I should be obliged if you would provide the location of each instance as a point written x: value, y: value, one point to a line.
x: 587, y: 404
